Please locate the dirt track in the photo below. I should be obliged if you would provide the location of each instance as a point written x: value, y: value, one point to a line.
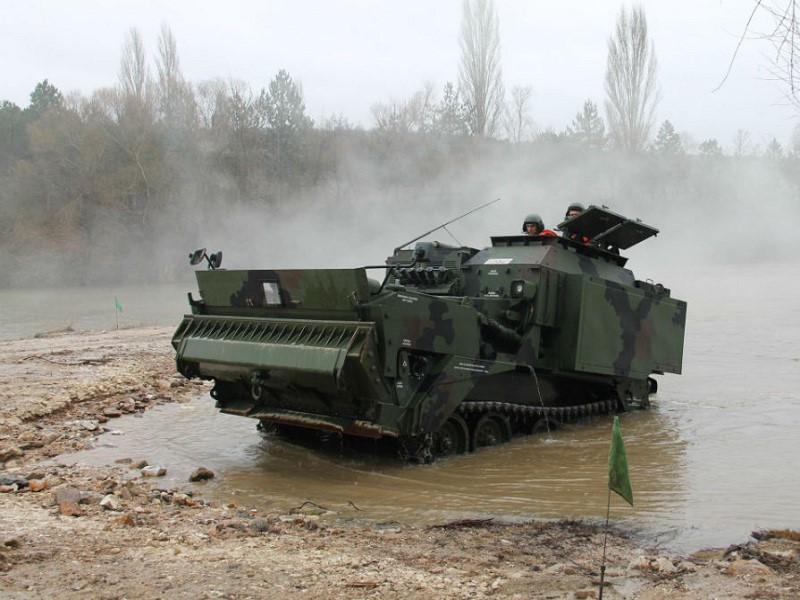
x: 74, y: 531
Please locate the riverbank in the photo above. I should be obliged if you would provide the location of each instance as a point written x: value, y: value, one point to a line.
x: 111, y: 532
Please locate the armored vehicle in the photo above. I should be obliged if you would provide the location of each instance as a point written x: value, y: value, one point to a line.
x: 457, y: 348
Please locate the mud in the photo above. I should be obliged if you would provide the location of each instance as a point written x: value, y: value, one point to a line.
x: 110, y: 532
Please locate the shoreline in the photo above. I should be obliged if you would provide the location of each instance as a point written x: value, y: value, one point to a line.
x: 111, y: 532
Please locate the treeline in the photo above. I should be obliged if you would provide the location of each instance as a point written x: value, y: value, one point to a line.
x: 116, y: 186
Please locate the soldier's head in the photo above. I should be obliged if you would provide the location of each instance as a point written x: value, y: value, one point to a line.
x: 574, y: 210
x: 533, y: 225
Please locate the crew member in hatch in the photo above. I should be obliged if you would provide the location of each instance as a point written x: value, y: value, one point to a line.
x: 573, y: 210
x: 533, y: 225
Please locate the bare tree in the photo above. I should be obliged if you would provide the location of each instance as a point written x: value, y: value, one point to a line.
x: 632, y: 91
x: 416, y: 114
x: 392, y: 116
x: 133, y: 67
x: 175, y: 97
x: 480, y: 75
x: 518, y: 120
x: 785, y: 37
x: 211, y: 100
x: 741, y: 143
x: 423, y: 107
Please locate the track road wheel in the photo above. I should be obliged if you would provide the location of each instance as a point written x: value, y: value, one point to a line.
x: 452, y: 438
x: 491, y: 429
x: 265, y: 426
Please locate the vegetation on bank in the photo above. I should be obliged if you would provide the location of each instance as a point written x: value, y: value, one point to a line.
x: 116, y: 186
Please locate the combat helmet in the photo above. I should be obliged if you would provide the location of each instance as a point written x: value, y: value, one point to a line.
x: 533, y: 218
x: 575, y: 206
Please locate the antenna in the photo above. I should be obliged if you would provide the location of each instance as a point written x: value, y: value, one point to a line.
x: 443, y: 225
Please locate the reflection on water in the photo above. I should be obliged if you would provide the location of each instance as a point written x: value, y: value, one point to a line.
x: 551, y: 475
x: 713, y: 459
x: 28, y: 312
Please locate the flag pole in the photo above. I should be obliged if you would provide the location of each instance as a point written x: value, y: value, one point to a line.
x: 605, y: 538
x: 618, y: 481
x: 117, y: 310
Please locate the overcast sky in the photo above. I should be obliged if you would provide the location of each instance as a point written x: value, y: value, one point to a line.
x: 350, y: 54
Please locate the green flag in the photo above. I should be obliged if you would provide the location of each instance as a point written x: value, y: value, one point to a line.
x: 618, y: 480
x: 117, y: 304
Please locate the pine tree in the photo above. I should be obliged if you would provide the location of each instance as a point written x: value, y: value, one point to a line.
x: 774, y: 149
x: 710, y: 147
x: 284, y: 113
x: 588, y: 128
x: 452, y: 113
x: 44, y: 97
x: 668, y: 142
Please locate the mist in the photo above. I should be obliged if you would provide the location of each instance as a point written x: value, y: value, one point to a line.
x: 710, y: 210
x: 720, y: 211
x: 119, y: 186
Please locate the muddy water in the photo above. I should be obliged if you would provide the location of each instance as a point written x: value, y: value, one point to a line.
x: 24, y: 313
x: 714, y: 459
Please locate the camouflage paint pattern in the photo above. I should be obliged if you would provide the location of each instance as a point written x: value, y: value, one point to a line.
x: 528, y: 321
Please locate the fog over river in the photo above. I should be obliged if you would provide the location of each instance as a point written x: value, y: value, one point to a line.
x: 714, y: 458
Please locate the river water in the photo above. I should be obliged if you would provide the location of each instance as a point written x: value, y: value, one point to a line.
x: 713, y: 459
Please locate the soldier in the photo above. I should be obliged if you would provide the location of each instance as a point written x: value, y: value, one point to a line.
x: 573, y: 210
x: 533, y: 225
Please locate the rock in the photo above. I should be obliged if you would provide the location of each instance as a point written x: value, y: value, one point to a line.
x: 112, y: 413
x: 140, y: 464
x: 69, y: 509
x: 110, y: 502
x: 89, y: 424
x: 562, y: 568
x: 779, y: 551
x: 123, y: 461
x: 183, y: 500
x: 7, y: 489
x: 201, y: 474
x: 9, y: 452
x: 154, y: 471
x: 126, y: 519
x: 92, y: 497
x: 10, y: 480
x: 687, y: 566
x: 30, y: 445
x: 664, y: 566
x: 586, y: 593
x: 740, y: 567
x: 259, y: 525
x: 66, y: 494
x: 640, y: 563
x: 37, y: 485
